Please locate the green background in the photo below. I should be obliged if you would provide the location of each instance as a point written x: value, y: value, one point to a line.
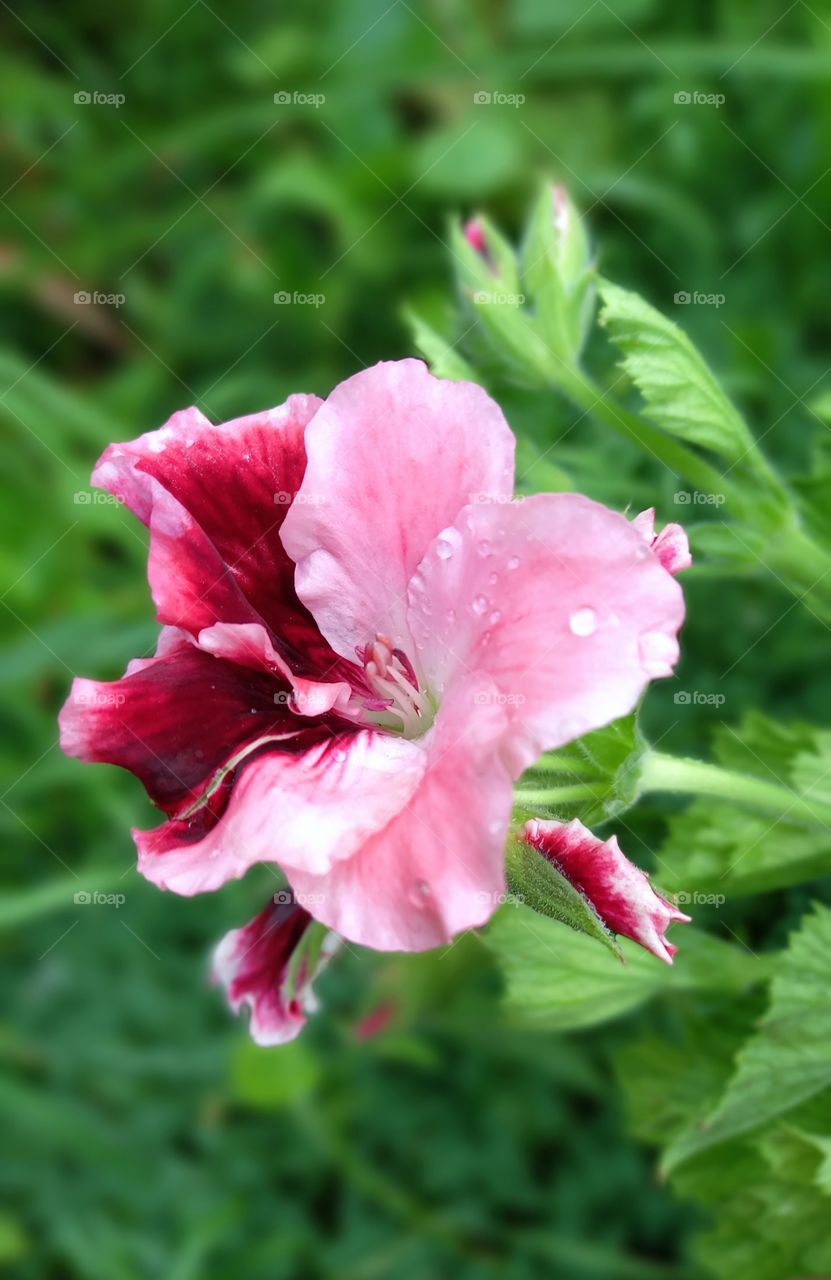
x: 143, y: 1135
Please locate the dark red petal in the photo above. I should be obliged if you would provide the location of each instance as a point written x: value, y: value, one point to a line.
x: 214, y: 498
x: 253, y: 964
x: 174, y: 721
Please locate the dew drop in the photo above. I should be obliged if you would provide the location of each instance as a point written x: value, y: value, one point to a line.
x: 479, y: 605
x: 657, y: 652
x: 583, y: 622
x: 486, y: 637
x: 419, y: 894
x: 444, y: 550
x: 485, y: 548
x: 451, y: 615
x: 493, y: 578
x: 513, y: 563
x: 495, y: 617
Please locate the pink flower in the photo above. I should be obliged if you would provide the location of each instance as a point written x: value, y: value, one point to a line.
x: 254, y: 964
x: 619, y: 892
x: 670, y: 545
x: 365, y: 641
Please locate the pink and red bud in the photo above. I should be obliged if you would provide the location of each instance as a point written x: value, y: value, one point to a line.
x: 475, y: 235
x: 671, y: 545
x: 262, y: 966
x: 618, y: 890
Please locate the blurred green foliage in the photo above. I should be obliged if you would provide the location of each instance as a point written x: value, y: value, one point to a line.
x: 144, y: 1137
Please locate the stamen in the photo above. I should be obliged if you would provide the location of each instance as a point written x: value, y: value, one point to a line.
x: 391, y: 676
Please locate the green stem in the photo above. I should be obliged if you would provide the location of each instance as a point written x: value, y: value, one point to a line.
x: 661, y: 773
x: 680, y: 460
x: 21, y: 906
x: 552, y: 796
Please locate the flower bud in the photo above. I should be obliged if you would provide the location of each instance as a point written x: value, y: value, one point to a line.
x: 618, y: 891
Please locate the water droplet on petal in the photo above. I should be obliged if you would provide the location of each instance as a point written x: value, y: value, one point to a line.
x: 443, y: 550
x: 657, y: 652
x: 583, y: 622
x: 493, y: 578
x: 495, y: 617
x: 485, y: 548
x: 513, y: 563
x: 451, y: 615
x: 479, y: 604
x: 419, y: 894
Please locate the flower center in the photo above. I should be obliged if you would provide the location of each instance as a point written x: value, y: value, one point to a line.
x: 400, y: 704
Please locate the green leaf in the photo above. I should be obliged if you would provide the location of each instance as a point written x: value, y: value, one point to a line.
x: 681, y: 393
x: 789, y: 1059
x: 594, y: 778
x: 814, y: 489
x: 560, y: 979
x: 536, y: 882
x: 715, y: 846
x: 499, y: 331
x: 442, y: 357
x: 558, y: 272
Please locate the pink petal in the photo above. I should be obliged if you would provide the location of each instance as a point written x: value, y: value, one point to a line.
x: 248, y: 645
x: 437, y: 868
x: 619, y: 892
x: 214, y: 498
x: 174, y: 720
x: 671, y: 545
x: 393, y: 454
x: 253, y: 964
x: 559, y: 600
x: 305, y: 811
